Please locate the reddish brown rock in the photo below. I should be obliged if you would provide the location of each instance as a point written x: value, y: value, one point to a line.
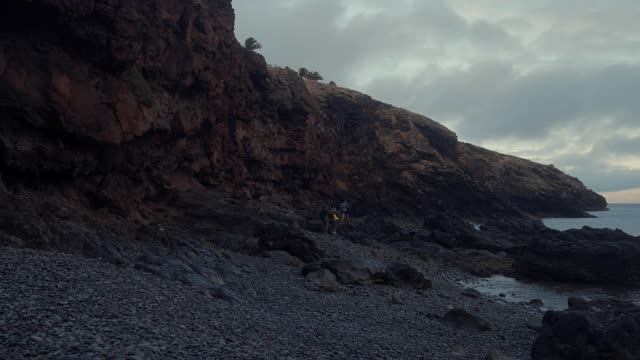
x: 126, y: 104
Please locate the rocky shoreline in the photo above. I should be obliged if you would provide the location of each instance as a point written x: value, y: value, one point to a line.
x: 228, y: 278
x: 64, y: 306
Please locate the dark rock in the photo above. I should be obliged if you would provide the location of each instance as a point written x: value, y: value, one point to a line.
x: 472, y: 293
x: 460, y: 318
x: 366, y: 271
x: 536, y: 302
x: 580, y: 333
x: 311, y: 267
x: 225, y: 294
x: 535, y: 324
x: 586, y: 255
x: 358, y: 271
x: 403, y: 275
x: 322, y: 280
x: 284, y: 258
x: 577, y: 301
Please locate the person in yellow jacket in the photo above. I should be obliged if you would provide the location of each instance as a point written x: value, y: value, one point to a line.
x: 333, y: 215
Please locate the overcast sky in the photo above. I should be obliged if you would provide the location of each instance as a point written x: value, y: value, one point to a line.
x: 555, y: 81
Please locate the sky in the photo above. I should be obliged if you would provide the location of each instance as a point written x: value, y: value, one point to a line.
x: 554, y: 81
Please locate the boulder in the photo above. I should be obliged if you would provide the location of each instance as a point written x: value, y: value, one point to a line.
x: 472, y: 293
x: 367, y: 271
x: 587, y: 255
x: 357, y: 271
x: 405, y: 276
x: 461, y: 319
x: 536, y: 302
x: 577, y: 301
x: 284, y: 258
x: 601, y: 329
x: 535, y: 324
x: 322, y: 280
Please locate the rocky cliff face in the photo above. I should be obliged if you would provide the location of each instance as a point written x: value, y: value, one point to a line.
x: 114, y: 103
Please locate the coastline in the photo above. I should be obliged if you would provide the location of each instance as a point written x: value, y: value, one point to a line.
x: 356, y: 322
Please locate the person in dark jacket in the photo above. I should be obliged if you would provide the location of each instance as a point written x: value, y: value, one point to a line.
x: 345, y: 211
x: 325, y: 216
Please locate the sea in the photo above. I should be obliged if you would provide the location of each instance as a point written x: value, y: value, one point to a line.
x: 625, y: 217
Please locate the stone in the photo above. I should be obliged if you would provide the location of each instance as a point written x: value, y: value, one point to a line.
x: 472, y: 293
x: 403, y: 275
x: 580, y: 333
x: 461, y: 319
x: 284, y: 258
x: 602, y: 256
x: 357, y: 271
x: 322, y: 280
x: 535, y: 324
x: 536, y: 302
x: 577, y: 301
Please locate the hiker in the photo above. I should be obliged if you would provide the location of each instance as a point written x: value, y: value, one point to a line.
x: 345, y: 211
x: 334, y: 216
x: 325, y: 217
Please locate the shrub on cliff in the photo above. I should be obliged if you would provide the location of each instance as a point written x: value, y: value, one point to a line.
x: 252, y: 44
x: 311, y: 75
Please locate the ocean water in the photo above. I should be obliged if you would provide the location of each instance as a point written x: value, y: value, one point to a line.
x: 554, y: 295
x: 625, y: 217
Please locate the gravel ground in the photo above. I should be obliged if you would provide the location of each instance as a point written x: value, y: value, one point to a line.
x: 56, y: 306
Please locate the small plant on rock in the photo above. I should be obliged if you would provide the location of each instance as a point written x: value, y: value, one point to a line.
x: 252, y: 44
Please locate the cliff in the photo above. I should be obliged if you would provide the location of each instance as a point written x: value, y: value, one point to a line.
x: 115, y: 104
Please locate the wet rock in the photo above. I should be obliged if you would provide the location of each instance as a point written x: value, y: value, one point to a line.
x: 586, y: 255
x: 536, y: 302
x: 472, y: 293
x: 581, y: 333
x: 577, y: 301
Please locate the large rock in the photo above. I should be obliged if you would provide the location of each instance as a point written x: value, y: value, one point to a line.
x: 321, y: 280
x: 367, y: 271
x: 405, y: 276
x: 588, y: 255
x: 462, y: 319
x: 360, y: 271
x: 602, y: 329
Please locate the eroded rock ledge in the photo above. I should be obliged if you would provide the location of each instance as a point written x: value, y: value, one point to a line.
x: 120, y: 104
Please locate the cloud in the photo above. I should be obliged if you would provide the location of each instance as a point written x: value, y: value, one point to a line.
x: 630, y: 196
x: 552, y: 81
